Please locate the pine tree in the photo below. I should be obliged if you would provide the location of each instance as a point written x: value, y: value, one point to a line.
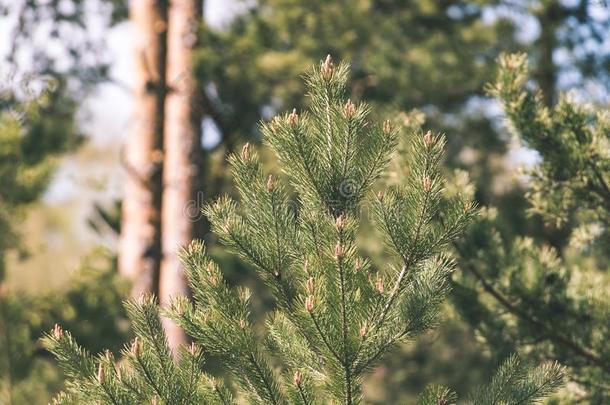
x: 182, y: 140
x: 337, y: 313
x: 522, y: 294
x: 139, y: 256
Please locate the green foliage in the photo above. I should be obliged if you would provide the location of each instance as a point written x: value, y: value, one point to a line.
x: 572, y: 141
x: 520, y: 293
x: 516, y: 384
x: 91, y: 306
x: 29, y: 146
x: 336, y: 314
x: 426, y: 54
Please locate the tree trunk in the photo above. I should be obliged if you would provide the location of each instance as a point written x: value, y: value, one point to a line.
x: 550, y: 17
x: 140, y: 242
x: 182, y: 150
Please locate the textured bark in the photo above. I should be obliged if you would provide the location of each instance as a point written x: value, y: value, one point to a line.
x: 140, y: 242
x: 182, y: 151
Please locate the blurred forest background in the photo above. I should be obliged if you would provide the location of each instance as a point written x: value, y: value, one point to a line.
x: 115, y: 127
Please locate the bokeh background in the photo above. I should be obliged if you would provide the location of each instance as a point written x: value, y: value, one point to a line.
x: 67, y: 81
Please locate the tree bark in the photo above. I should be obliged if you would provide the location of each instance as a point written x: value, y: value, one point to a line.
x: 182, y: 151
x: 140, y: 241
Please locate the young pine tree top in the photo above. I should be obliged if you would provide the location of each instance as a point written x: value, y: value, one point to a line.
x: 336, y: 313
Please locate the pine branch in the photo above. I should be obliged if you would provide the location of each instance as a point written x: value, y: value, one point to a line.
x: 570, y: 344
x: 333, y: 318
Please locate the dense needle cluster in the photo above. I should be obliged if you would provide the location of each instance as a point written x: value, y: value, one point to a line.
x: 336, y: 313
x: 551, y: 302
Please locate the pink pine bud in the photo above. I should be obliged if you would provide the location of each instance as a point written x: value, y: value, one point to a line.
x: 135, y: 347
x: 379, y: 285
x: 364, y: 329
x: 297, y: 378
x: 309, y: 303
x: 427, y: 183
x: 245, y: 152
x: 339, y: 251
x: 428, y: 138
x: 340, y: 222
x: 327, y: 68
x: 242, y: 324
x: 57, y: 331
x: 350, y: 109
x: 310, y: 285
x: 270, y: 183
x: 293, y: 118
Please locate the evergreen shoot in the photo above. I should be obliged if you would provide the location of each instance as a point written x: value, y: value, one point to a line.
x: 523, y: 295
x: 337, y: 313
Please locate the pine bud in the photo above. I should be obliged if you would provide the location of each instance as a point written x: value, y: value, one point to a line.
x: 192, y: 349
x: 428, y: 138
x: 109, y: 356
x: 387, y: 126
x: 427, y: 183
x: 293, y: 118
x: 297, y: 378
x: 245, y: 152
x: 57, y: 332
x: 242, y: 324
x: 309, y: 303
x: 306, y: 266
x: 350, y: 109
x: 358, y: 264
x: 339, y: 251
x: 327, y: 68
x: 270, y: 183
x: 101, y: 374
x: 379, y: 285
x: 340, y: 222
x: 310, y: 285
x: 135, y: 347
x: 380, y: 196
x: 364, y: 329
x: 154, y: 400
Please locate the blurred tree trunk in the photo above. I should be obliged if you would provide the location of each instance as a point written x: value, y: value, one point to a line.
x: 550, y: 18
x: 182, y: 151
x: 140, y: 242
